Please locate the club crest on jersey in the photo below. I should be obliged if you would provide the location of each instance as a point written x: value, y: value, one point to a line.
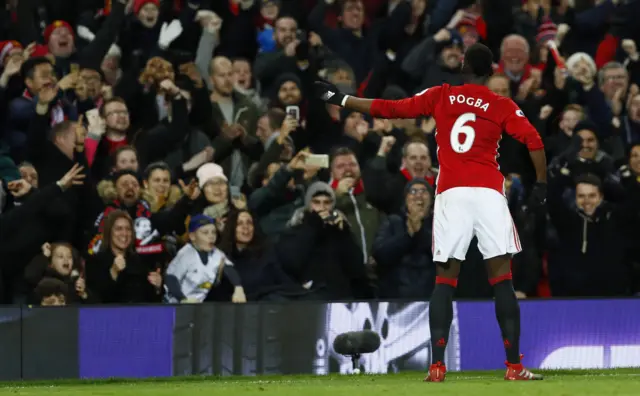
x: 469, y: 101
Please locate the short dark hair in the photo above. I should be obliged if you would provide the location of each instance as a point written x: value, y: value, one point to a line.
x: 589, y: 178
x: 115, y: 99
x: 155, y: 166
x: 628, y: 152
x: 276, y: 117
x: 339, y: 152
x: 344, y: 3
x: 119, y: 150
x: 28, y: 67
x: 48, y: 287
x: 412, y: 141
x: 478, y: 61
x: 241, y: 59
x: 61, y: 128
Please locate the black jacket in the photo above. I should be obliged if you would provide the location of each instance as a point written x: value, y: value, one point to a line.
x: 131, y: 285
x: 589, y: 257
x: 404, y: 263
x: 313, y: 251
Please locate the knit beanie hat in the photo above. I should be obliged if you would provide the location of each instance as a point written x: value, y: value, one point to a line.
x: 318, y: 188
x: 208, y: 172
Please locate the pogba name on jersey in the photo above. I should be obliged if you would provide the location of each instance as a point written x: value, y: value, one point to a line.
x: 479, y: 103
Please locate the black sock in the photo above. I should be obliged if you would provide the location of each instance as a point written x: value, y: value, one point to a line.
x: 508, y: 314
x: 440, y: 317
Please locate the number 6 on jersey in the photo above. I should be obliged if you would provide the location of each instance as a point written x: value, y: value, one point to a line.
x: 459, y: 128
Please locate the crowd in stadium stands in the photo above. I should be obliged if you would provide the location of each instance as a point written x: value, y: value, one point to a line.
x: 149, y: 152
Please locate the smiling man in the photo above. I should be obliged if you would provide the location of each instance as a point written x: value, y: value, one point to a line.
x: 590, y: 233
x: 514, y: 60
x: 402, y: 248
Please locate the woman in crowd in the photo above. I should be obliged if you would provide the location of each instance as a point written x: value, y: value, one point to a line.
x: 116, y: 273
x: 262, y: 278
x: 215, y: 200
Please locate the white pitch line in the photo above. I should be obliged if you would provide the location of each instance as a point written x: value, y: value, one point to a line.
x: 223, y: 382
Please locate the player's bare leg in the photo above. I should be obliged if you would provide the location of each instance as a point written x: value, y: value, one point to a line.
x: 441, y: 315
x: 508, y: 315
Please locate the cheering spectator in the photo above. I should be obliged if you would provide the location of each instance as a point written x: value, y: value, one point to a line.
x: 174, y: 110
x: 319, y: 251
x: 158, y: 190
x: 215, y: 201
x: 629, y: 129
x: 281, y: 194
x: 199, y: 266
x: 42, y: 86
x: 245, y: 83
x: 353, y: 199
x: 27, y: 226
x: 124, y: 193
x: 559, y: 142
x: 262, y: 279
x: 590, y: 232
x: 416, y: 163
x: 116, y: 273
x: 584, y: 155
x: 402, y: 248
x: 59, y: 261
x: 351, y: 41
x: 237, y: 117
x: 125, y: 158
x: 435, y: 60
x: 270, y: 64
x: 514, y: 63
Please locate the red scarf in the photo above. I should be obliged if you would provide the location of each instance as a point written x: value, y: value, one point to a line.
x: 357, y: 189
x: 430, y: 179
x: 57, y: 112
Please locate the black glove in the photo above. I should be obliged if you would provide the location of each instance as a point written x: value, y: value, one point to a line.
x: 328, y: 92
x: 538, y: 195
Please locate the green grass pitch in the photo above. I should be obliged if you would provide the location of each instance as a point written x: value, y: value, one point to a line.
x: 621, y: 382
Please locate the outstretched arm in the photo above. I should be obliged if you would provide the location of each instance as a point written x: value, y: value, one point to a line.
x: 414, y: 107
x: 358, y: 104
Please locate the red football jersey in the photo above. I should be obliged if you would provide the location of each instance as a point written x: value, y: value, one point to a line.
x: 469, y: 124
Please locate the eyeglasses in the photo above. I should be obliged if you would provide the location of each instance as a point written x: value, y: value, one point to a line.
x: 417, y: 191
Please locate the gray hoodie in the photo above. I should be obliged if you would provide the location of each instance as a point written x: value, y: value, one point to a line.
x: 313, y: 190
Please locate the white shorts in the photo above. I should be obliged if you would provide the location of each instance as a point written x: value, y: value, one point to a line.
x: 464, y: 212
